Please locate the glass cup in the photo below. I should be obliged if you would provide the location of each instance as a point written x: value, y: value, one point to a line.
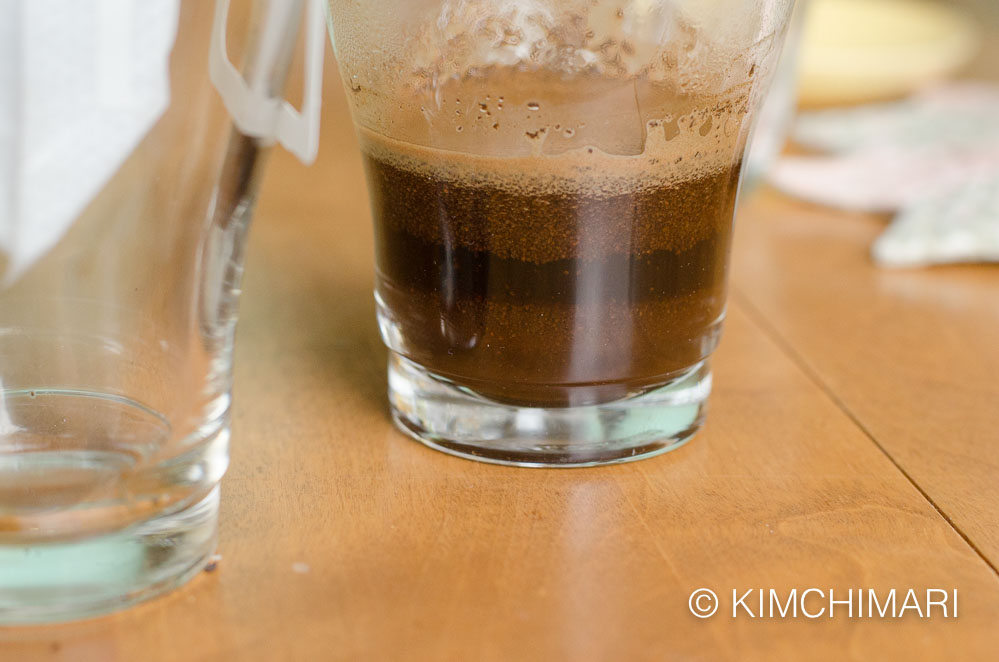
x: 775, y: 117
x: 126, y: 196
x: 552, y: 186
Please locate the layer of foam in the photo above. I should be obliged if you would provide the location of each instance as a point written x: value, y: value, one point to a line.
x: 510, y: 78
x: 699, y: 144
x: 620, y: 38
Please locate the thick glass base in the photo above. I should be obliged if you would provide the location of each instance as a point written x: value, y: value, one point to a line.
x: 62, y: 581
x: 457, y: 421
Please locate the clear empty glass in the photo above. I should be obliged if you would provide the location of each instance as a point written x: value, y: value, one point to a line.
x: 125, y: 199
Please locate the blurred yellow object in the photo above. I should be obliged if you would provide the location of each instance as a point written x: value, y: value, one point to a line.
x: 866, y: 50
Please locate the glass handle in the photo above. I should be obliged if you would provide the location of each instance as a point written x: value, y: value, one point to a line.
x: 255, y: 111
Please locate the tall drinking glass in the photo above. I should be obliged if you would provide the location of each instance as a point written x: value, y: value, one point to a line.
x: 125, y: 195
x: 552, y: 186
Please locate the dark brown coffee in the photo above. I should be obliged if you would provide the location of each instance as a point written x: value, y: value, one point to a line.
x: 548, y: 294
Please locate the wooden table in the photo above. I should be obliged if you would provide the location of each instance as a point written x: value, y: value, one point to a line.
x: 852, y: 443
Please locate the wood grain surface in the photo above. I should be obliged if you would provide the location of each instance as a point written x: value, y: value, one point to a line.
x: 851, y: 443
x: 911, y: 355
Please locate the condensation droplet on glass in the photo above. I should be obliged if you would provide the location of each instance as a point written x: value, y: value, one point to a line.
x: 706, y: 127
x: 731, y: 127
x: 671, y: 129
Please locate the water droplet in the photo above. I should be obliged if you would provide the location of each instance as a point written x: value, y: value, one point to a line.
x: 672, y: 129
x: 496, y: 126
x: 569, y: 133
x: 558, y: 127
x: 533, y: 105
x: 706, y: 127
x: 483, y: 108
x: 459, y: 129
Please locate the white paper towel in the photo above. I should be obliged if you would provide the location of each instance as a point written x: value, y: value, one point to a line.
x: 81, y: 82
